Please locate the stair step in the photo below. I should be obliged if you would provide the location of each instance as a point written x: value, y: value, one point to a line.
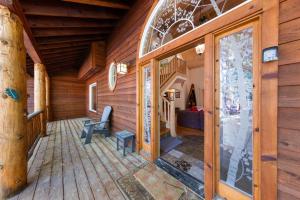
x: 164, y: 131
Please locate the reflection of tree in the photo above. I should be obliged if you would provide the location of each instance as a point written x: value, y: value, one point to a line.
x: 147, y: 104
x: 236, y: 93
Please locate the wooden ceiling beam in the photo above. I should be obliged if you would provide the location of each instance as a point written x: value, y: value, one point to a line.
x: 55, y: 54
x: 61, y: 10
x: 69, y: 54
x: 29, y: 40
x: 101, y: 3
x: 49, y: 32
x: 67, y: 62
x: 74, y: 56
x: 63, y: 39
x: 48, y: 22
x: 64, y: 45
x: 64, y: 50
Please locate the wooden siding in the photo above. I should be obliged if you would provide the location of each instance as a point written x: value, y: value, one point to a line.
x: 67, y: 96
x: 94, y: 61
x: 289, y: 98
x: 122, y: 47
x: 30, y: 94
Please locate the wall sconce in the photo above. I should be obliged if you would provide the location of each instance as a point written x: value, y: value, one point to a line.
x: 200, y: 49
x: 121, y: 68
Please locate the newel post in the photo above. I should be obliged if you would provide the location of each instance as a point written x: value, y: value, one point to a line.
x: 40, y: 94
x: 13, y: 98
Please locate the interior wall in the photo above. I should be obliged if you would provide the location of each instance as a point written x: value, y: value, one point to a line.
x: 122, y: 47
x: 30, y: 94
x: 196, y: 77
x: 67, y: 96
x: 289, y: 104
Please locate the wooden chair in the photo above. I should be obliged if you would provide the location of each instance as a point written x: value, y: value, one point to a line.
x: 101, y: 127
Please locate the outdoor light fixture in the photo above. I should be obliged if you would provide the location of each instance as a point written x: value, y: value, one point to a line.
x: 121, y: 68
x: 200, y: 49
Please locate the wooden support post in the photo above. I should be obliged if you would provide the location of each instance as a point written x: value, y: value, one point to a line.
x: 40, y: 93
x: 47, y: 82
x: 13, y: 98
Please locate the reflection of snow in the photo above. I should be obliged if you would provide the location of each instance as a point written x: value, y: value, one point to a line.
x: 236, y: 104
x: 147, y: 104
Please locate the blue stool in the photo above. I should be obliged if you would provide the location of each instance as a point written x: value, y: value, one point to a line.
x: 125, y: 137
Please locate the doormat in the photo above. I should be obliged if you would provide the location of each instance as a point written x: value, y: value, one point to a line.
x: 134, y: 190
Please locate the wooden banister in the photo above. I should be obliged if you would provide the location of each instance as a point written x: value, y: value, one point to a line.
x: 169, y: 69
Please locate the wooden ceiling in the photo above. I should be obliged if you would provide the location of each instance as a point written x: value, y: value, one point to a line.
x: 64, y: 29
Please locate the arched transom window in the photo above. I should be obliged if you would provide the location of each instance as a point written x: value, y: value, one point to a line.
x: 172, y: 18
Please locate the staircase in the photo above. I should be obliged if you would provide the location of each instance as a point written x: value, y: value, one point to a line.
x: 172, y: 72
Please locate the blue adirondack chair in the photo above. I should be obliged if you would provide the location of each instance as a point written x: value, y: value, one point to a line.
x: 101, y: 127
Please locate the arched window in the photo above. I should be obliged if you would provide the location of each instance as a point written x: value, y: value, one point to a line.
x: 173, y: 18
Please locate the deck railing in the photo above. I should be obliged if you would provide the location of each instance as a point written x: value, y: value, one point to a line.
x: 34, y: 129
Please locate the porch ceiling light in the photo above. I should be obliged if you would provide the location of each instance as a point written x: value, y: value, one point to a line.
x: 200, y: 49
x: 121, y: 68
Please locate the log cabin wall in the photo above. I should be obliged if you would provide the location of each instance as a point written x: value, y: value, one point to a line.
x: 289, y: 104
x: 30, y: 93
x: 122, y: 46
x: 67, y: 96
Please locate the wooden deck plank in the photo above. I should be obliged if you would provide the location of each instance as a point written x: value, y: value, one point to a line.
x: 57, y: 186
x: 106, y: 179
x: 34, y: 170
x: 124, y: 160
x: 83, y: 185
x: 64, y: 168
x: 94, y: 181
x: 43, y: 185
x: 70, y: 186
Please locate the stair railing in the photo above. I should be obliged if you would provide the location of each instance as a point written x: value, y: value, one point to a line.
x: 168, y: 115
x: 169, y: 69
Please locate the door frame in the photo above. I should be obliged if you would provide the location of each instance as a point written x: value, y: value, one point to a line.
x: 262, y: 10
x: 222, y: 187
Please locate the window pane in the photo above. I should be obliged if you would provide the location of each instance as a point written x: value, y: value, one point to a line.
x: 173, y: 18
x: 147, y: 104
x: 236, y: 109
x: 94, y: 98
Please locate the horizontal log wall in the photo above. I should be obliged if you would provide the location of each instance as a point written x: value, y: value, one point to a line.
x: 289, y: 101
x: 122, y: 46
x: 30, y: 94
x: 67, y: 96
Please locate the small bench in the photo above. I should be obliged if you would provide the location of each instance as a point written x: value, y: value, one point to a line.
x: 125, y: 137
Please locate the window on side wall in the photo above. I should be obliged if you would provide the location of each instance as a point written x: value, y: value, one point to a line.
x: 93, y: 97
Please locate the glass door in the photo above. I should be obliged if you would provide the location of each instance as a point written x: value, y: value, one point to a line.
x: 147, y: 107
x: 236, y: 72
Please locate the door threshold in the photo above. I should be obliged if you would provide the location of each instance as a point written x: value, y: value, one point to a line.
x: 189, y: 181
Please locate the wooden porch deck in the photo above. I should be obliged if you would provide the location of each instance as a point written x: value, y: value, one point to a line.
x: 63, y: 168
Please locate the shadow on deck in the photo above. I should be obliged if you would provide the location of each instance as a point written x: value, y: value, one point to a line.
x: 63, y: 168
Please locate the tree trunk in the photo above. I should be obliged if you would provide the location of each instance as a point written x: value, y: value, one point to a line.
x: 13, y: 98
x: 40, y: 93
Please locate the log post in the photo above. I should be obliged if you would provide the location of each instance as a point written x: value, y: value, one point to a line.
x: 13, y: 98
x: 47, y: 82
x: 40, y: 94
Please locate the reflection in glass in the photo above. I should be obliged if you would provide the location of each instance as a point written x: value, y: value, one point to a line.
x: 172, y: 18
x: 236, y: 109
x: 147, y: 104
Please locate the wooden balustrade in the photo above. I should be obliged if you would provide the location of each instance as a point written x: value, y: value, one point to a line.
x: 169, y: 69
x: 34, y: 129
